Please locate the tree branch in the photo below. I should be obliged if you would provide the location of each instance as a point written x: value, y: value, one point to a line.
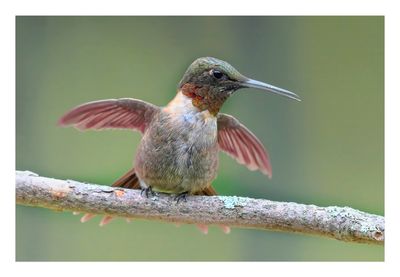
x: 342, y: 223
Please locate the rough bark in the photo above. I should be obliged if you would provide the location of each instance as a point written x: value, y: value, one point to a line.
x: 342, y: 223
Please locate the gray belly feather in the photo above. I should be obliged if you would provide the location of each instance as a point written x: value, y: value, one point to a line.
x: 178, y: 153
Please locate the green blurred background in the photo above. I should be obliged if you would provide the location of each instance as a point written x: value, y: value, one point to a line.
x: 325, y: 150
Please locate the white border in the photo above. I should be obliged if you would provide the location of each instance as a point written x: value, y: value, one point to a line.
x: 202, y: 7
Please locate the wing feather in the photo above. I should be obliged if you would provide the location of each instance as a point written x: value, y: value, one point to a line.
x: 124, y: 113
x: 241, y: 144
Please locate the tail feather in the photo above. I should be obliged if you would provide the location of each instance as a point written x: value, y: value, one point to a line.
x: 208, y: 191
x: 106, y: 219
x: 129, y: 180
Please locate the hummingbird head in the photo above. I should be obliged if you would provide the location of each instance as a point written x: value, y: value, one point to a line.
x: 209, y: 82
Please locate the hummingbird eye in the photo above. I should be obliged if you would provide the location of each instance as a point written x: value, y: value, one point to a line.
x: 216, y: 73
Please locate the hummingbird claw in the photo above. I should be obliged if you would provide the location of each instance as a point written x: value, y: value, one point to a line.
x: 147, y: 191
x: 181, y: 196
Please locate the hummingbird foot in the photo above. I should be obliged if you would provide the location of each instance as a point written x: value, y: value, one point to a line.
x: 147, y: 191
x: 181, y: 196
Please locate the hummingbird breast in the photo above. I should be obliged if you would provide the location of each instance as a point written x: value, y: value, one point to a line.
x: 179, y: 150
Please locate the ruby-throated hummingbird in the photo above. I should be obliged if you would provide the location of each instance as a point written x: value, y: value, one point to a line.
x: 178, y: 152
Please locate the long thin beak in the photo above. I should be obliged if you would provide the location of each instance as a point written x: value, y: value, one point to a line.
x: 249, y: 83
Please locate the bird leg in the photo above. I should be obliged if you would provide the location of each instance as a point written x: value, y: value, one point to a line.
x: 147, y: 191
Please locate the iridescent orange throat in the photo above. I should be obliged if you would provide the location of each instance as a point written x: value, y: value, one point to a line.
x: 204, y: 98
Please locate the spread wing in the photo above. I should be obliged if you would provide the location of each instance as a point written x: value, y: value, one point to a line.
x: 124, y: 113
x: 241, y: 144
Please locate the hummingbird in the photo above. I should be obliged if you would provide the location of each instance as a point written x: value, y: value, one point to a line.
x: 178, y: 152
